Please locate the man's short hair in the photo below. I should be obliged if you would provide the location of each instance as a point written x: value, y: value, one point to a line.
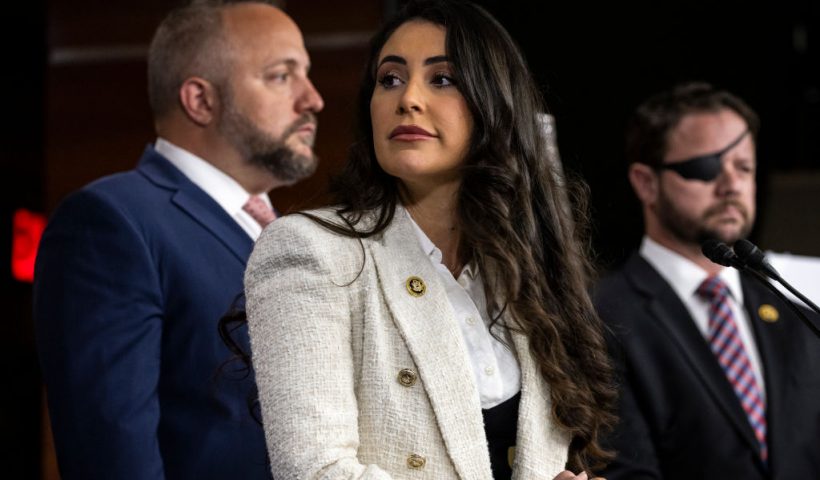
x: 189, y: 42
x: 654, y: 119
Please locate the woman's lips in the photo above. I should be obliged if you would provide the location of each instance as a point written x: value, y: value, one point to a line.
x: 410, y: 133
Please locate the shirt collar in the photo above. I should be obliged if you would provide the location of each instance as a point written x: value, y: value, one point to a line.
x: 430, y: 249
x: 684, y: 275
x: 220, y: 186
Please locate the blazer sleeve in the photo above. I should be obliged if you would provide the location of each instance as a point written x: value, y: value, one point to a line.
x: 98, y: 320
x: 298, y: 286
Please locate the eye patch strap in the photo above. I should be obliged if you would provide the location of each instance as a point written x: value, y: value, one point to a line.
x: 703, y: 167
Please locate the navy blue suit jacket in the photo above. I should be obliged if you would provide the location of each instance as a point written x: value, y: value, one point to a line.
x: 132, y: 275
x: 679, y: 416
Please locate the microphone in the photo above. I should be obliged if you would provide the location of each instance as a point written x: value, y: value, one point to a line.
x: 720, y: 253
x: 753, y: 257
x: 748, y: 258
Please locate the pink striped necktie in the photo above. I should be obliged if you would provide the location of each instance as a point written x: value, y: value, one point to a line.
x: 724, y: 340
x: 259, y: 210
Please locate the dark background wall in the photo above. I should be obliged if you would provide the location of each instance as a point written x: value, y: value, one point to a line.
x: 21, y: 153
x: 595, y: 63
x: 76, y: 109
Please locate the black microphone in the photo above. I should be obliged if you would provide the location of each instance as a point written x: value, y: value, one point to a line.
x: 753, y: 257
x: 720, y: 253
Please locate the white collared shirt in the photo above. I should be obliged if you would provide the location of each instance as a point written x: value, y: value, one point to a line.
x: 685, y: 277
x: 226, y: 191
x: 495, y: 367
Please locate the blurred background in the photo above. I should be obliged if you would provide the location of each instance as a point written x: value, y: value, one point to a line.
x: 76, y: 109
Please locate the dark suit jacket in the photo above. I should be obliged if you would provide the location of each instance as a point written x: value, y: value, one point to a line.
x: 133, y: 273
x: 680, y: 418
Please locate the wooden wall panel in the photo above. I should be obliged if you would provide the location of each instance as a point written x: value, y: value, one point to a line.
x: 316, y: 16
x: 102, y: 22
x: 98, y: 123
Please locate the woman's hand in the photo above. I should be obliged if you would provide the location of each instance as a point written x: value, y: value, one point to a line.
x: 567, y: 475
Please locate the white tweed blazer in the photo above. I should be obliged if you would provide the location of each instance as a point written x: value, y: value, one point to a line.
x: 332, y: 325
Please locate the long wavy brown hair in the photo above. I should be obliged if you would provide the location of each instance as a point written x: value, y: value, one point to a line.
x: 522, y: 224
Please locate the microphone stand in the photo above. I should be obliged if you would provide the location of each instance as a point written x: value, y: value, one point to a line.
x: 746, y: 257
x: 796, y: 293
x: 763, y: 280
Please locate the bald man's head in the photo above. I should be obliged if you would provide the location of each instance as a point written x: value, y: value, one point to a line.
x: 194, y: 41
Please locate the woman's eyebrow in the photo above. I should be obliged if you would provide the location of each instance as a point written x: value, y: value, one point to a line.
x: 393, y: 59
x: 437, y: 59
x: 402, y: 61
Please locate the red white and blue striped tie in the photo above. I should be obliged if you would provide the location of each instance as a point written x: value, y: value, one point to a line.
x: 727, y: 346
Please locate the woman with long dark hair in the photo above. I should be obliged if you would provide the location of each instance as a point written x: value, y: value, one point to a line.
x: 435, y: 323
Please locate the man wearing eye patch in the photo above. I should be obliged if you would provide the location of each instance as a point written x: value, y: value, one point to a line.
x: 717, y: 378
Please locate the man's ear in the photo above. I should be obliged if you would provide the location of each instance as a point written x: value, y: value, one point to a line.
x: 198, y: 98
x: 644, y: 182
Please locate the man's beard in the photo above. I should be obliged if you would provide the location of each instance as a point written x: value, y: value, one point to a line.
x: 697, y: 231
x: 260, y: 148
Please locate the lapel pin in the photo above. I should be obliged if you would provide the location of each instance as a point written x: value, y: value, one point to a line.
x: 768, y: 313
x: 415, y: 286
x: 511, y: 456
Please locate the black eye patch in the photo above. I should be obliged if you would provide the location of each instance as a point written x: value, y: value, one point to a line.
x: 703, y: 167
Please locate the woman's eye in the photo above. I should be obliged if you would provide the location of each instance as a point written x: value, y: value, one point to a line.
x: 389, y: 80
x: 443, y: 80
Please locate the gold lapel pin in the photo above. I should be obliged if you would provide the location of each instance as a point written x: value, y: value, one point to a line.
x: 415, y: 286
x: 511, y: 456
x: 768, y: 313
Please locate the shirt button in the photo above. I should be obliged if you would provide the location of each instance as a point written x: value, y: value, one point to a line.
x: 470, y: 320
x: 489, y: 370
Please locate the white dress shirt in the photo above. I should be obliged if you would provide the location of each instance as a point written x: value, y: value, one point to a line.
x: 685, y: 277
x: 226, y: 191
x: 495, y: 367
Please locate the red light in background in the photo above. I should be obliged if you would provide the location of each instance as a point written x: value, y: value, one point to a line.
x: 27, y: 228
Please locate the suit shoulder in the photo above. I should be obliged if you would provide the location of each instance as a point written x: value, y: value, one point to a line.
x: 617, y: 301
x: 300, y: 239
x: 105, y: 196
x: 323, y: 226
x: 118, y: 190
x: 115, y: 181
x: 309, y: 226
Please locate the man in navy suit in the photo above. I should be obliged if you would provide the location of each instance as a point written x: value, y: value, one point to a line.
x: 136, y: 269
x: 718, y: 378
